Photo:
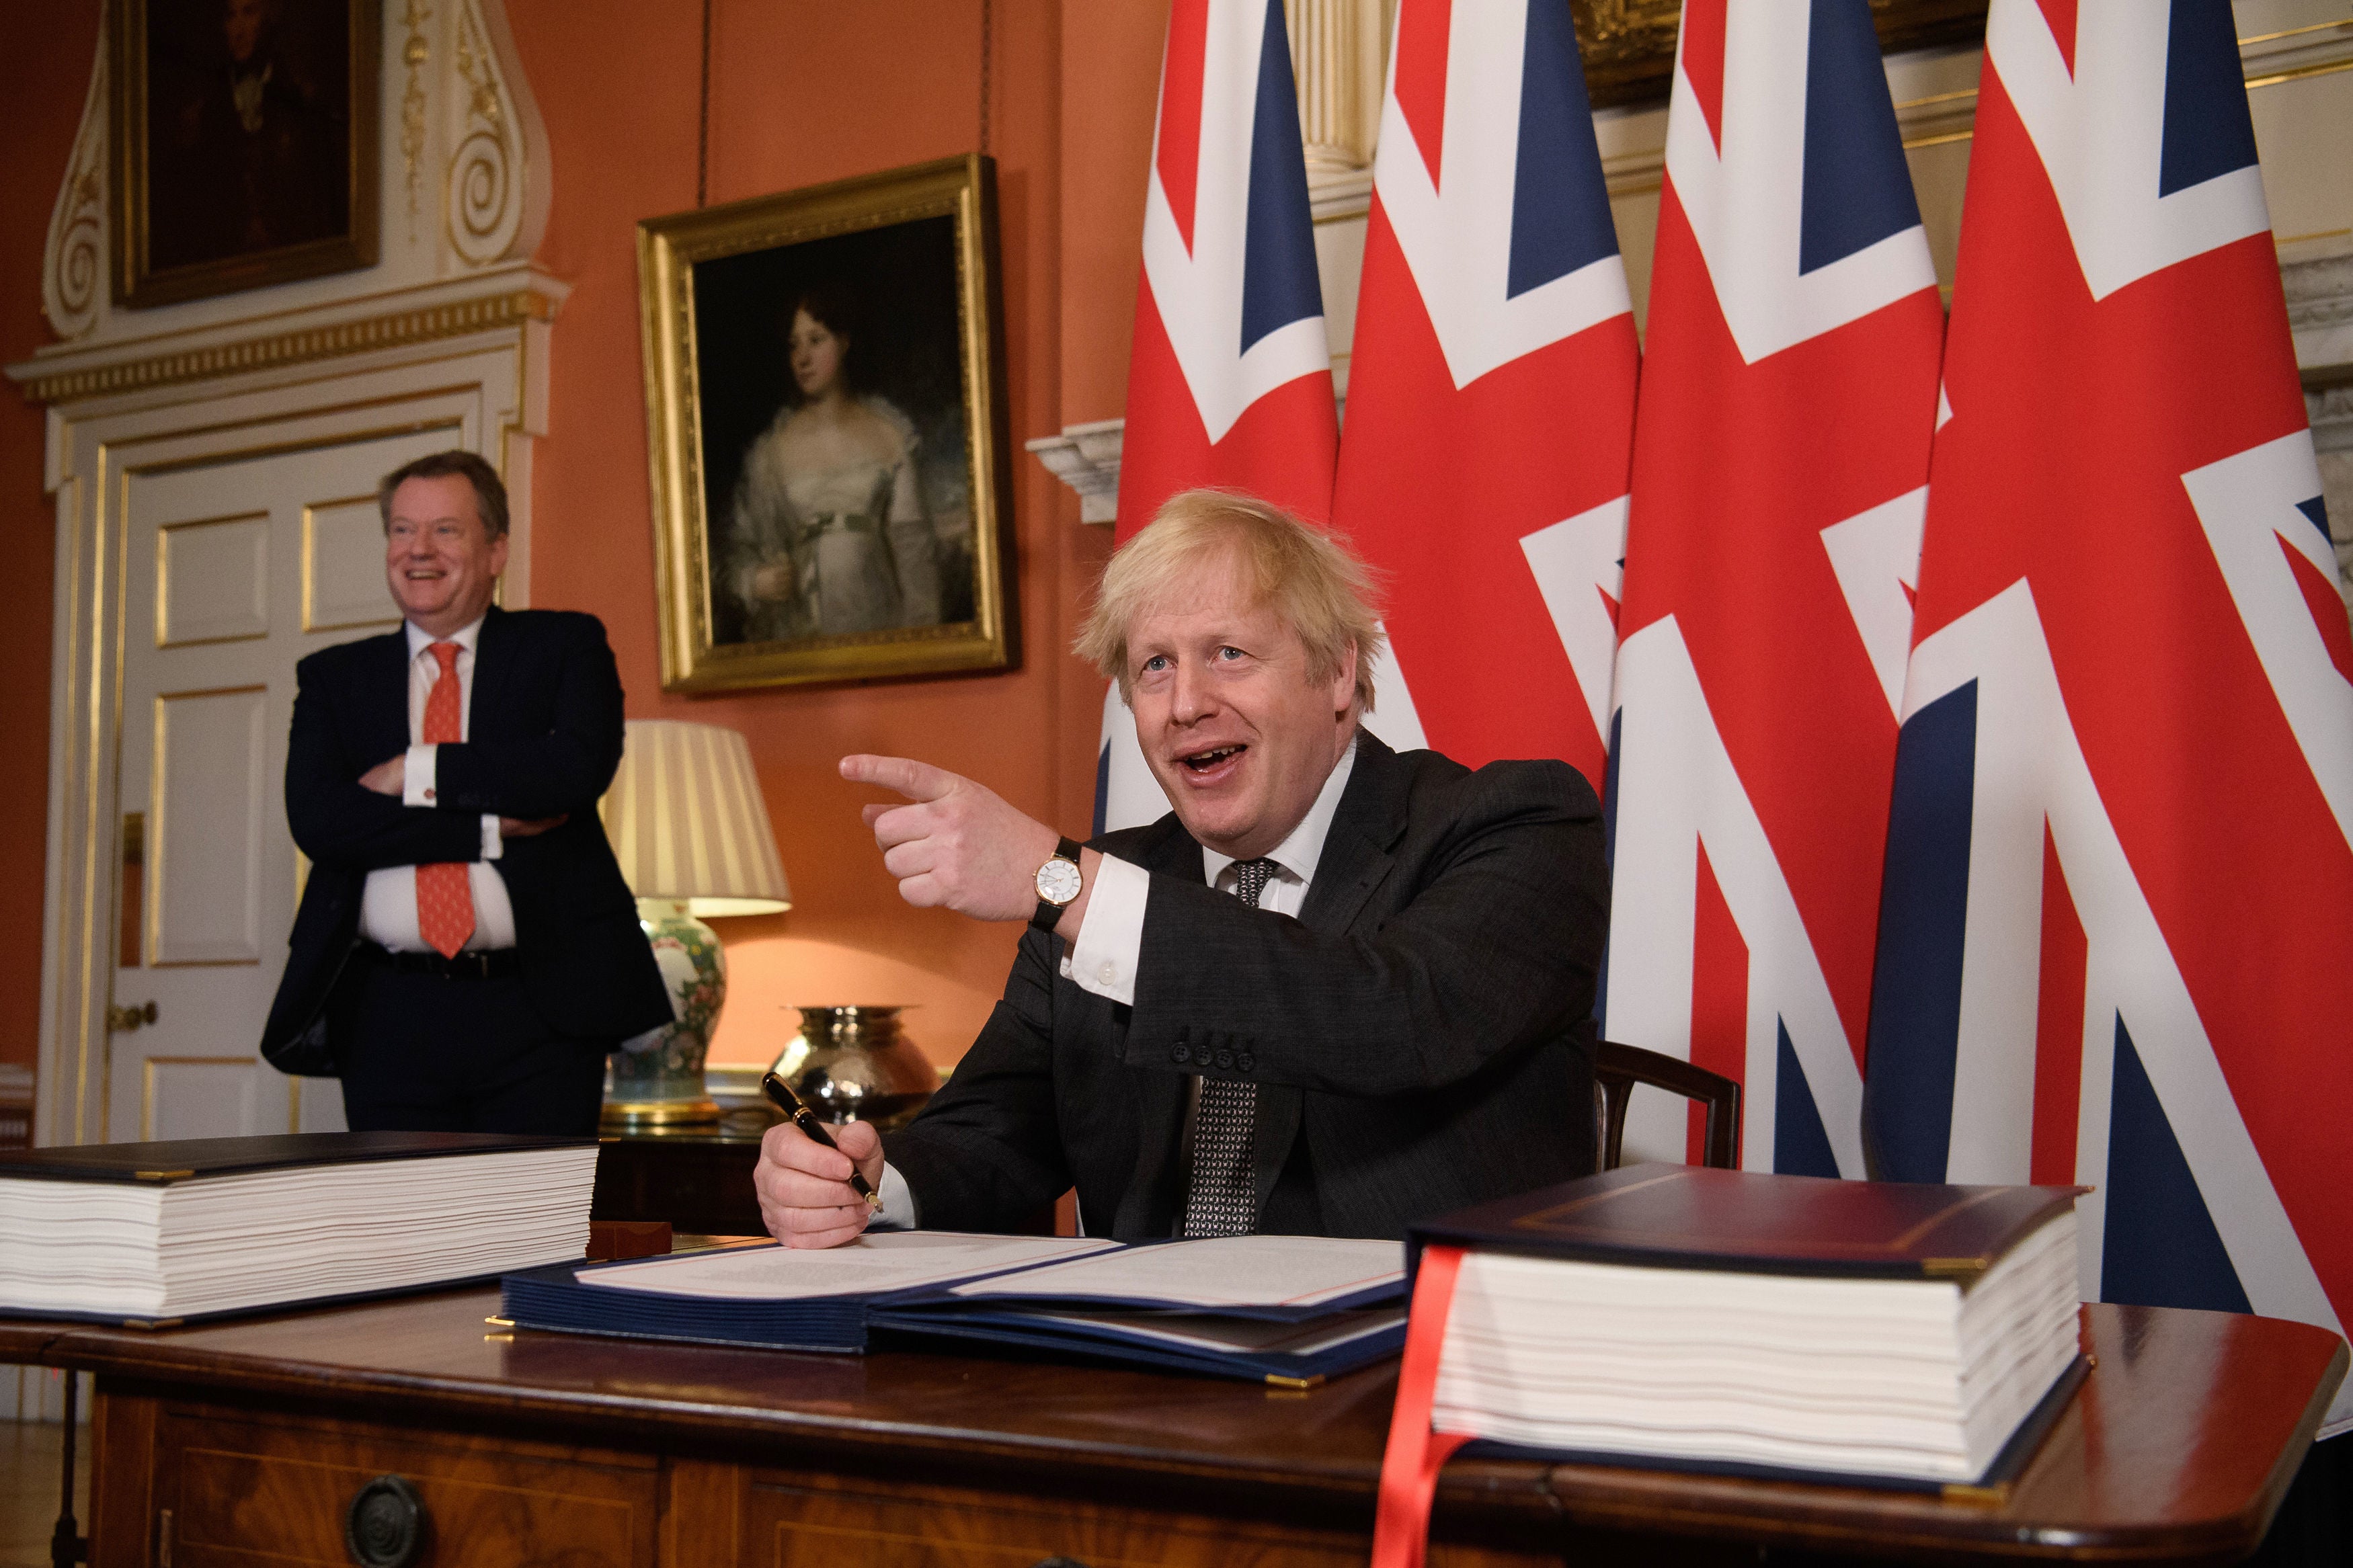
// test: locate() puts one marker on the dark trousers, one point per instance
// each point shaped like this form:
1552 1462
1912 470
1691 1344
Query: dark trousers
421 1053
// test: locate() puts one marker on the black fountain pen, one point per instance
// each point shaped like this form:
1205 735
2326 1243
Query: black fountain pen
786 1101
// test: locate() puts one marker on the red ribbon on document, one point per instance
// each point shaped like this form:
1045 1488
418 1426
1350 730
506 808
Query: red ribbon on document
1410 1467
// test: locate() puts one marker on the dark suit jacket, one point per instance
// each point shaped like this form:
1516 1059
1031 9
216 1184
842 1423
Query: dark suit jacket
545 733
1421 1036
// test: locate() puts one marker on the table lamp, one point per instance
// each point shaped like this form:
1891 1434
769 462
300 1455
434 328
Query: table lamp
688 826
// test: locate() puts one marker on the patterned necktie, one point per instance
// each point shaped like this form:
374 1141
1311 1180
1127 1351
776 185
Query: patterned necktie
445 902
1222 1199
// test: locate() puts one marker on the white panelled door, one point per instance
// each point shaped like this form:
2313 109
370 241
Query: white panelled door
236 571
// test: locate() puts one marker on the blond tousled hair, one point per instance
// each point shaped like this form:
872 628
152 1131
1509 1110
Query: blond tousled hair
1317 585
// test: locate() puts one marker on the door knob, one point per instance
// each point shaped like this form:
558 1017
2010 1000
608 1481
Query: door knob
122 1020
386 1525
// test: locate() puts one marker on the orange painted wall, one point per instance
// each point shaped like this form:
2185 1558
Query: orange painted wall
45 57
799 94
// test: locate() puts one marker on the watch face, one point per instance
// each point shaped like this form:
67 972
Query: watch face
1058 881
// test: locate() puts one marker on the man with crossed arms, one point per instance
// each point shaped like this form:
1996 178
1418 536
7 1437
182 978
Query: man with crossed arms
1339 989
465 951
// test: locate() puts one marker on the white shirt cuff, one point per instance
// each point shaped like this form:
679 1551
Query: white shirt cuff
416 788
1112 936
898 1203
493 845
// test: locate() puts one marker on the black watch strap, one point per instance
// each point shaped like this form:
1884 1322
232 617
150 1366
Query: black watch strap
1050 915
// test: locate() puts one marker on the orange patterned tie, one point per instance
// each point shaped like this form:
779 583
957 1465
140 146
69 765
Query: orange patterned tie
445 903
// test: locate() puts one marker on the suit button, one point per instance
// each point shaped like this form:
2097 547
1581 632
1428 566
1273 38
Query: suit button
1224 1059
1245 1061
1180 1054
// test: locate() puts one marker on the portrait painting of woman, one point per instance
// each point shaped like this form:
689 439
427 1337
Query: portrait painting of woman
828 531
825 381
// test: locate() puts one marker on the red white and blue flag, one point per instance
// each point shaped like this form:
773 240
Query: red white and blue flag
1229 383
1780 466
2118 911
1490 393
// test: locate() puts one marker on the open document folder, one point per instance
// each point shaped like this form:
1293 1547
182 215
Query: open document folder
1286 1308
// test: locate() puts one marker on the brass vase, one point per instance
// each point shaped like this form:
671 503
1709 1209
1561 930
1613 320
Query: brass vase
851 1064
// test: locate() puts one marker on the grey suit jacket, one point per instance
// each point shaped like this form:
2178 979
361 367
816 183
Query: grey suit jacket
1421 1035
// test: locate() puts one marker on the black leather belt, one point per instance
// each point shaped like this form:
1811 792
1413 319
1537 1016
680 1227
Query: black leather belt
492 964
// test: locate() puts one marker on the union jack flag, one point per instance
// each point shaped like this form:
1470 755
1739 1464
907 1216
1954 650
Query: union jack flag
1780 466
2119 890
1230 382
1491 395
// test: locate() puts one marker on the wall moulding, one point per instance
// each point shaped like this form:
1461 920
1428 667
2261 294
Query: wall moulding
60 380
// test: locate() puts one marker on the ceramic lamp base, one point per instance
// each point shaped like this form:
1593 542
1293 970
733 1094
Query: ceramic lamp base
654 1080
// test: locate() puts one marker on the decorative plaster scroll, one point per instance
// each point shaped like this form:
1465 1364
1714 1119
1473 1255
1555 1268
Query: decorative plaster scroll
73 264
416 52
494 203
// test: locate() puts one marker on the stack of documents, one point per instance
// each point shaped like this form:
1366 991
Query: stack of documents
1746 1320
1288 1308
147 1233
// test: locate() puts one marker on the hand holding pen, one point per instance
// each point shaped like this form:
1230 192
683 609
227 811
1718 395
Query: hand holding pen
796 1180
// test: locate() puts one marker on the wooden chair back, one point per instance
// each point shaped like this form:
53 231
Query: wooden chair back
1618 1069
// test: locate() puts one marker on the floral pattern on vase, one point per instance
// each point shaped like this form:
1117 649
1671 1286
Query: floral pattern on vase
665 1064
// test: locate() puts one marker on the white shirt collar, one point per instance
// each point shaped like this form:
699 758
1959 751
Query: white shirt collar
419 640
1299 853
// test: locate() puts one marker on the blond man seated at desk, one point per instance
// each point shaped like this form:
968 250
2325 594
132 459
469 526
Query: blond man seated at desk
1337 989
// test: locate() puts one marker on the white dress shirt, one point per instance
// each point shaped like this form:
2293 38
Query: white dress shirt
388 903
1111 939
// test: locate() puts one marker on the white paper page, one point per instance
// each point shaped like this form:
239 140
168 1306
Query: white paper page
1238 1336
895 1261
1228 1271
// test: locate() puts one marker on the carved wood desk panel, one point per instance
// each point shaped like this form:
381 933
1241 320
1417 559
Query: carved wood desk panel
527 1447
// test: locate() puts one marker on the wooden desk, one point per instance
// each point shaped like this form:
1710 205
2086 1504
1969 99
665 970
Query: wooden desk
550 1448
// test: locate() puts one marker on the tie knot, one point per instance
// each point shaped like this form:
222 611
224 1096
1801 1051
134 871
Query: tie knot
1251 879
446 654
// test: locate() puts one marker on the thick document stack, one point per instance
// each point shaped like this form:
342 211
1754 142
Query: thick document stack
1723 1320
1282 1308
149 1234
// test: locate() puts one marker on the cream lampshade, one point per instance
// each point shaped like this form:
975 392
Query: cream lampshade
691 833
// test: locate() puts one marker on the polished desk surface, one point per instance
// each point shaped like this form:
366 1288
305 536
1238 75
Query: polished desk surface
2177 1448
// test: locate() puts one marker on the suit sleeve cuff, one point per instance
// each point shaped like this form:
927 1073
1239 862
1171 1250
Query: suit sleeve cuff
898 1203
416 788
1111 939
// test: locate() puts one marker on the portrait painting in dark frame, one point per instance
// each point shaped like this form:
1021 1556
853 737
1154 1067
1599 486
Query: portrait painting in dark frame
245 144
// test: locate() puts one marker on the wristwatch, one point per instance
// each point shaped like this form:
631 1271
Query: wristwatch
1057 884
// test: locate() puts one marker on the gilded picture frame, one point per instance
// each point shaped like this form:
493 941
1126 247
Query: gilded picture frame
826 432
1629 45
245 142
